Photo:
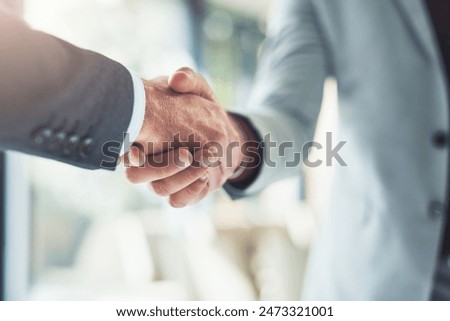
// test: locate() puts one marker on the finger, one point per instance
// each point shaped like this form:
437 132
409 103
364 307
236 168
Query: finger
134 157
160 166
179 181
203 193
130 158
188 195
216 179
185 80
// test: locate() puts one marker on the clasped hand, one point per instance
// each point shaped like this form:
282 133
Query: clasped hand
188 145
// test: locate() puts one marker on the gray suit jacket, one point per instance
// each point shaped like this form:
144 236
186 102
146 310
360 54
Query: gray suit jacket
59 101
381 235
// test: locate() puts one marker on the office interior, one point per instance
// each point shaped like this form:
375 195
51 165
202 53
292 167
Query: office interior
71 234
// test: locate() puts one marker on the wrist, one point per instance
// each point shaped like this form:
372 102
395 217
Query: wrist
240 138
137 113
250 151
146 130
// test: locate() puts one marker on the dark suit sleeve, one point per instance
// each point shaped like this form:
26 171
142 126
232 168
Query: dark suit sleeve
58 101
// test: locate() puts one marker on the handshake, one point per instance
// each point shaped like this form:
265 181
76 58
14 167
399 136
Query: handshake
188 145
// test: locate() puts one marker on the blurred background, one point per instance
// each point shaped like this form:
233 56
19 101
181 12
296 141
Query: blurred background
73 234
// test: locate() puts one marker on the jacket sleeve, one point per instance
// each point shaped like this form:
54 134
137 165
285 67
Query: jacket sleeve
285 101
58 101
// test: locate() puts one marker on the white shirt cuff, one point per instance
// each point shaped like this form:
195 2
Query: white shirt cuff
137 116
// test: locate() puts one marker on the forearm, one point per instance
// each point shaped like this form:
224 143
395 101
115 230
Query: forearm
283 139
59 101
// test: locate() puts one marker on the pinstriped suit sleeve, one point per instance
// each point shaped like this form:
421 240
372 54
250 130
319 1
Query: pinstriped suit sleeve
287 93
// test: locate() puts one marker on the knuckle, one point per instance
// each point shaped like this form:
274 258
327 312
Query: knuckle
216 135
161 171
193 189
160 189
190 175
157 170
186 69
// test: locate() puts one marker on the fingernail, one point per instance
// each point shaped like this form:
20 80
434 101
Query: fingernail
186 159
134 157
204 177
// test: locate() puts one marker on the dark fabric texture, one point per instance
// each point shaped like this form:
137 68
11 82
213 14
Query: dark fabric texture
440 16
441 284
58 101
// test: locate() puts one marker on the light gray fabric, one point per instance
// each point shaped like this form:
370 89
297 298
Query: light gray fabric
377 240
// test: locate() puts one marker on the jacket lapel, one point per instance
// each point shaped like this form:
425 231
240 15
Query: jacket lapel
415 14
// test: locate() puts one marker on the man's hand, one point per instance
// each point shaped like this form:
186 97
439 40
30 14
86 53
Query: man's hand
192 145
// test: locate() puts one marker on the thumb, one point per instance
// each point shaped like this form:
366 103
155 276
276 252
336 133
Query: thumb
187 81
